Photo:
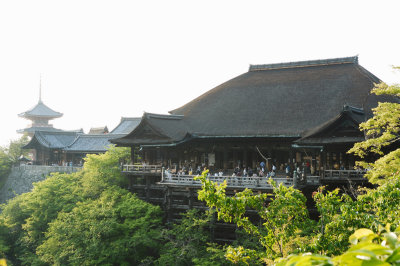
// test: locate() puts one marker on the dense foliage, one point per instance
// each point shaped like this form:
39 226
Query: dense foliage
368 248
285 216
115 229
188 242
80 218
87 218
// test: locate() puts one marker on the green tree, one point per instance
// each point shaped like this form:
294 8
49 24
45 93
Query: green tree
284 214
103 170
4 241
188 242
27 216
15 150
341 215
115 229
367 248
383 134
185 240
5 167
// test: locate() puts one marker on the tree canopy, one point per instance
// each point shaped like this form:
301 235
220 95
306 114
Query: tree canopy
115 229
84 218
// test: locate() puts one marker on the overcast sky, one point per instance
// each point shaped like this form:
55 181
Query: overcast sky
101 60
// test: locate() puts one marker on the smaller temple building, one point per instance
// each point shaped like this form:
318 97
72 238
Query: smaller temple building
70 147
52 146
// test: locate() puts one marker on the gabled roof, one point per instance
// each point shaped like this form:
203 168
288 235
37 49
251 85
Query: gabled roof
156 128
274 100
91 143
126 125
342 128
51 139
40 110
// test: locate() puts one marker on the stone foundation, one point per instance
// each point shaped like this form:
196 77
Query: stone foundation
22 177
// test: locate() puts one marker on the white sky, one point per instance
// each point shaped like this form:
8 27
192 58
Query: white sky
101 60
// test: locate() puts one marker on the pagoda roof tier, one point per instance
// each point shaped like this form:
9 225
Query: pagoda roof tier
47 129
40 110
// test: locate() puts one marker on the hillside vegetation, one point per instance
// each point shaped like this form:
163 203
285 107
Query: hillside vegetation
88 218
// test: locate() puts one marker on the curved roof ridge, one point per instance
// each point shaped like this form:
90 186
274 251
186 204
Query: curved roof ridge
96 135
42 140
308 63
128 118
163 116
126 125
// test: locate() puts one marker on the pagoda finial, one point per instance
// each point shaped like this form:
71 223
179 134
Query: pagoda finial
40 88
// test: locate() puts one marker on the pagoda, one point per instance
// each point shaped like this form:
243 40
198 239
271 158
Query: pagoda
40 115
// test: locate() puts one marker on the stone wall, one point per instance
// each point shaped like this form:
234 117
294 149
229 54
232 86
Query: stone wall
22 177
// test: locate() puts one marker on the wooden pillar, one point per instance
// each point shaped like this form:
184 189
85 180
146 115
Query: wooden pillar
255 161
245 162
324 164
313 163
190 197
133 154
235 158
130 185
225 158
148 184
290 160
269 162
168 203
212 226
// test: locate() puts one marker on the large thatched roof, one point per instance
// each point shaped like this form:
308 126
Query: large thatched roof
276 100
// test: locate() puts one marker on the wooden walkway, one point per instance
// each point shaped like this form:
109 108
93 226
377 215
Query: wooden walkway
168 178
232 181
138 168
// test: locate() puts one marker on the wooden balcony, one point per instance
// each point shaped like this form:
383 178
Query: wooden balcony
244 182
355 175
139 169
232 181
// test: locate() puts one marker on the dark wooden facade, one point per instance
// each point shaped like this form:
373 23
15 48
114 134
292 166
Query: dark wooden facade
302 114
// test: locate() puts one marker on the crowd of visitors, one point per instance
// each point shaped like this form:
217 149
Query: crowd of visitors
300 170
